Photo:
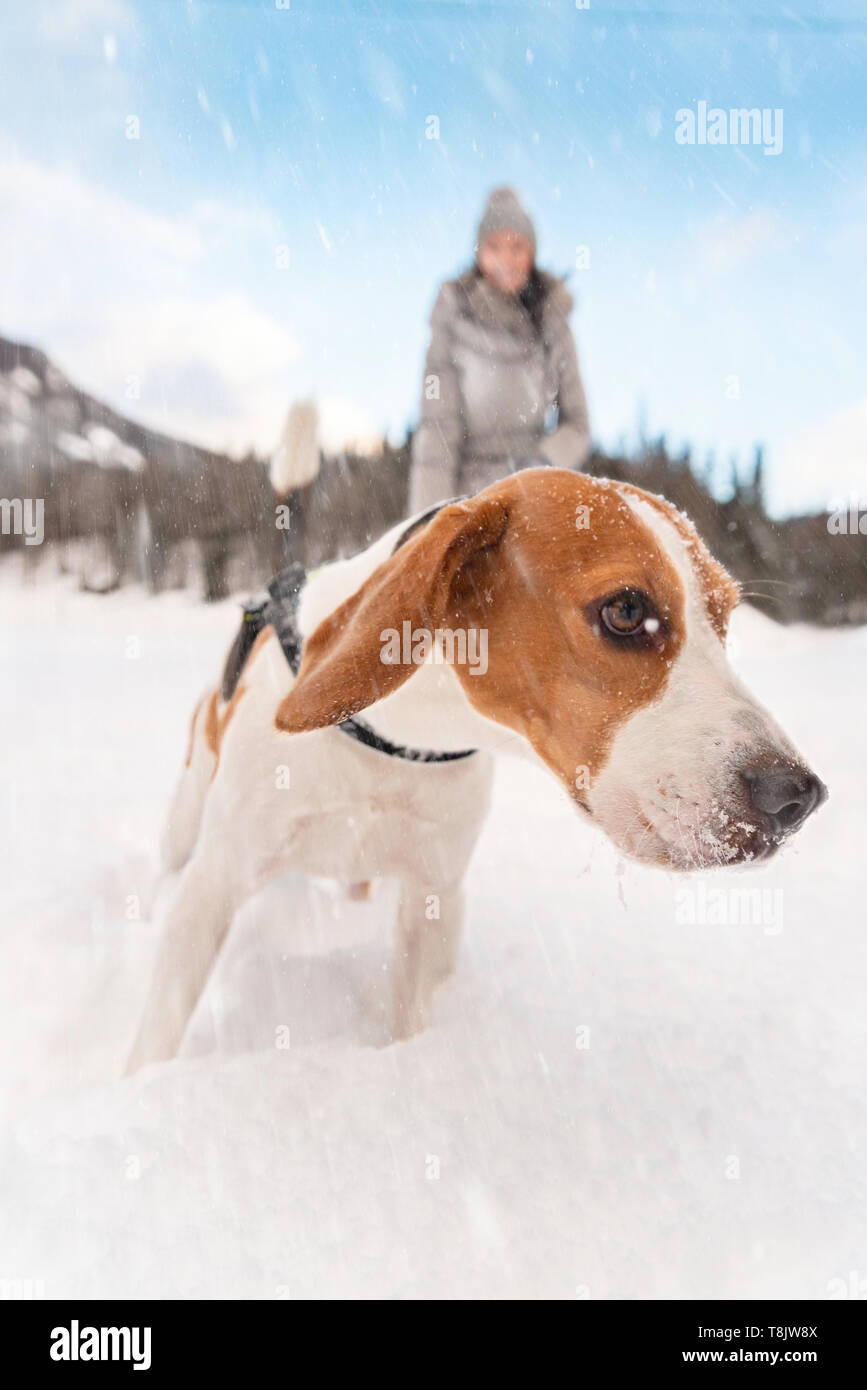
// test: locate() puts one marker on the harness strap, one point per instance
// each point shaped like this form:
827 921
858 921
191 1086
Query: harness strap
278 606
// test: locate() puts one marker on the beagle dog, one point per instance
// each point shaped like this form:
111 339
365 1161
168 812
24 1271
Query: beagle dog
604 618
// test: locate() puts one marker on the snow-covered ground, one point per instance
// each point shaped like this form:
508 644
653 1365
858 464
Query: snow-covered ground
612 1102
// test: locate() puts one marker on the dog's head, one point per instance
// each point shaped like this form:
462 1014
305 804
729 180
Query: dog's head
605 618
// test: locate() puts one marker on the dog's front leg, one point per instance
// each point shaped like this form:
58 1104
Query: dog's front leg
195 927
426 946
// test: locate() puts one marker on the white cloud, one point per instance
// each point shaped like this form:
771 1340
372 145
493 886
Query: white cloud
144 310
215 220
834 448
51 212
215 370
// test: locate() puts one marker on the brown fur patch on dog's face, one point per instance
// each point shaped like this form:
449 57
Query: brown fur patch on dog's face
719 591
555 674
532 560
642 721
341 669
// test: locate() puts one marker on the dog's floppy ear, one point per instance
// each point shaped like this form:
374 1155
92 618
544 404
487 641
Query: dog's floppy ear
342 671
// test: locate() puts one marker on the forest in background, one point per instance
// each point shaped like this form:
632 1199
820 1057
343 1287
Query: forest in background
127 504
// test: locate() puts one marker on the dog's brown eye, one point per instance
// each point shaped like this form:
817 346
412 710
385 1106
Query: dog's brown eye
624 615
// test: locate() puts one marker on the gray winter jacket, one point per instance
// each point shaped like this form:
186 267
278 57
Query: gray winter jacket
489 382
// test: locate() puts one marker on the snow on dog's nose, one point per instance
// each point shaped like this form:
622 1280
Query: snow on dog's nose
688 786
783 796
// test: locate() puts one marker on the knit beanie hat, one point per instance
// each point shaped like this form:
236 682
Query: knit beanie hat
504 213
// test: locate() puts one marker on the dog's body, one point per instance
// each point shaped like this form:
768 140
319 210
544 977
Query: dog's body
646 728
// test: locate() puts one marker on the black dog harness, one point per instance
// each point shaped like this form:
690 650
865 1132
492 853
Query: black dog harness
277 607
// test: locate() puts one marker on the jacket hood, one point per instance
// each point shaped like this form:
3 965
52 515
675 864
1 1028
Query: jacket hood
478 299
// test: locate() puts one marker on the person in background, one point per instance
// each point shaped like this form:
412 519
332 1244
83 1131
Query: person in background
501 357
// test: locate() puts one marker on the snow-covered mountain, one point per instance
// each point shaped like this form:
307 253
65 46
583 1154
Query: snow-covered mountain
127 501
132 492
45 420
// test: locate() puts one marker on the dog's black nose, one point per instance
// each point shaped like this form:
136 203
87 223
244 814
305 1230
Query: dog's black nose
784 795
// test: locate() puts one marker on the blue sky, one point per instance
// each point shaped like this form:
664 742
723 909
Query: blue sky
725 299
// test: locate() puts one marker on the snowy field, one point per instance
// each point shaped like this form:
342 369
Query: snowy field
612 1101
